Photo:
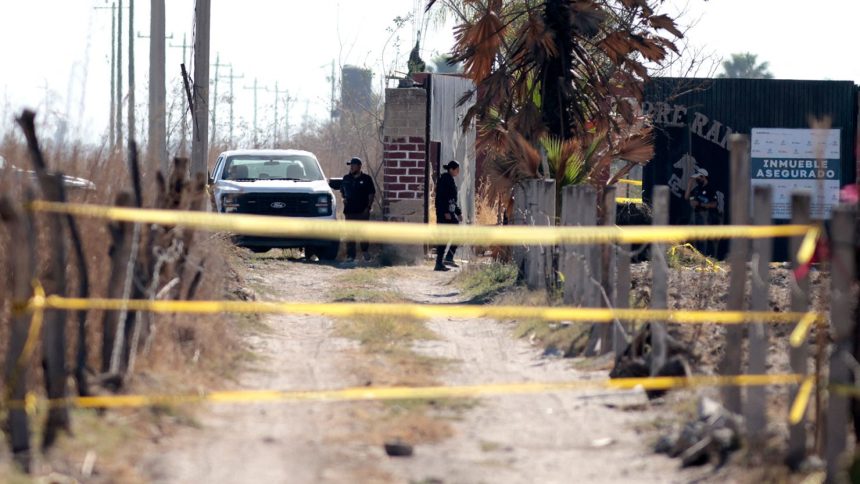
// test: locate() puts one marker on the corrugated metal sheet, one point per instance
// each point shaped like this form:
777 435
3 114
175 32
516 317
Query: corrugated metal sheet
446 118
738 104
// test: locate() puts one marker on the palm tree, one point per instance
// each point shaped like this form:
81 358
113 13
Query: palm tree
557 69
745 66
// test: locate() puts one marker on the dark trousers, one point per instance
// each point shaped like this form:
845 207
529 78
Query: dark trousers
706 217
350 245
440 249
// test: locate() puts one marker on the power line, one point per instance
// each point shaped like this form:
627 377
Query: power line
217 65
255 88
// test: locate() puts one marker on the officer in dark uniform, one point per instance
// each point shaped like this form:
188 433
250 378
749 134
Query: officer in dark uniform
447 212
703 201
358 192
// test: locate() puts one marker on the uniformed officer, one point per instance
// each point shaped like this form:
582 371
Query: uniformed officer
703 201
447 212
358 192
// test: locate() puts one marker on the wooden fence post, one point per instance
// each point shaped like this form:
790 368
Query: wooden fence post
570 258
54 330
540 200
755 405
800 202
738 257
608 272
519 218
842 322
548 209
659 280
21 266
120 251
588 278
622 299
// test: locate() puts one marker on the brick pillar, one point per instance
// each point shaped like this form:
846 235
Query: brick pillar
404 157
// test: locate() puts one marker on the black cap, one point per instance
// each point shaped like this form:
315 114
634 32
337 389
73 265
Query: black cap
354 161
451 165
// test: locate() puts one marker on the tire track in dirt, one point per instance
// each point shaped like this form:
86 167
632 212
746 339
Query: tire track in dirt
554 437
283 442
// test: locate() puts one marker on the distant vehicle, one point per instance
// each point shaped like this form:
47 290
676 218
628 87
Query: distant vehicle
282 183
70 182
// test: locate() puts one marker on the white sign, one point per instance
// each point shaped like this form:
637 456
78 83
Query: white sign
789 160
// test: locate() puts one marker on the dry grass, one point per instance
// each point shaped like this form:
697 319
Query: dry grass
186 352
482 281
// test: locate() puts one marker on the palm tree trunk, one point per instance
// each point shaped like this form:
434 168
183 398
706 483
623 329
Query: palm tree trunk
557 74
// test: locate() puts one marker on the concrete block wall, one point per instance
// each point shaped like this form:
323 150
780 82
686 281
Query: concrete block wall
404 154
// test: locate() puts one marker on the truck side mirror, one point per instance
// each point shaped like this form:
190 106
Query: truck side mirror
335 183
211 180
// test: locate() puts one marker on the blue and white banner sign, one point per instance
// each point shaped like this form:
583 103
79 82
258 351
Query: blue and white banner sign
790 160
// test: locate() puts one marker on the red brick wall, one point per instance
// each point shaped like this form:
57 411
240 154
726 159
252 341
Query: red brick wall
403 155
404 170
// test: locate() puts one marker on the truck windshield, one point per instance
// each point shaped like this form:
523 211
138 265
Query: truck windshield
260 167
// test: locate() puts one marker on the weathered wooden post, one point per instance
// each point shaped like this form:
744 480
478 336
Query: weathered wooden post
659 280
120 251
22 266
622 297
738 257
800 203
519 218
571 255
842 322
54 330
540 200
608 272
588 274
755 407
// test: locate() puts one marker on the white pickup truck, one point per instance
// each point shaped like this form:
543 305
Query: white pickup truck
284 183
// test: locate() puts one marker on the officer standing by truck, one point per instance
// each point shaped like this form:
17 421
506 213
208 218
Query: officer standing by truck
358 192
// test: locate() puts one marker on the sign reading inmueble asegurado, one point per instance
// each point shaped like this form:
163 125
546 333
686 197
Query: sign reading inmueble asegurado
790 160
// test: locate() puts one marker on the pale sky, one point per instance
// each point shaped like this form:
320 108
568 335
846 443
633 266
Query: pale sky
59 50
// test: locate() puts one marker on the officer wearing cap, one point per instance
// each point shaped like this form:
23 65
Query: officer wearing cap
703 201
358 192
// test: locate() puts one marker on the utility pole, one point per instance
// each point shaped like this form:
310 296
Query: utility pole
276 138
232 99
183 143
199 146
255 88
118 113
112 127
131 125
333 112
215 97
157 142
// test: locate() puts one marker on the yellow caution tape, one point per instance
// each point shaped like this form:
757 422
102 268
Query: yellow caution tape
415 233
807 246
35 324
801 401
630 182
403 393
422 311
852 391
711 265
798 336
628 200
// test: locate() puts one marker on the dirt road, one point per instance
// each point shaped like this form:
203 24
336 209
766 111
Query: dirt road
556 437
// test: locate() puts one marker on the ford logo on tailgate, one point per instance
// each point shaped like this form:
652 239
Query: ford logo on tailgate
278 205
